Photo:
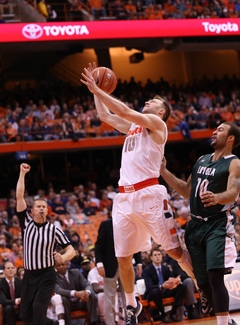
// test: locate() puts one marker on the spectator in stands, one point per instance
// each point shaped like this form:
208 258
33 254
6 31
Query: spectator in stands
81 200
20 272
96 281
226 114
68 127
131 10
161 283
57 206
118 10
19 261
6 220
13 256
24 130
105 202
202 118
68 220
74 239
90 207
37 130
140 10
97 6
4 251
3 133
73 209
10 294
145 258
42 7
236 115
190 118
79 124
85 266
11 132
75 10
214 118
75 291
93 197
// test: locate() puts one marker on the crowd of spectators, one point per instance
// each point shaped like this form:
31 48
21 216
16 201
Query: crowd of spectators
145 9
58 111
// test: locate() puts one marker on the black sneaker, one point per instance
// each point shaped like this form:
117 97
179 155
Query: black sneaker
132 314
233 322
206 308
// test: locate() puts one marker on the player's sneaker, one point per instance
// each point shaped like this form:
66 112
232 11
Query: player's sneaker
132 314
233 322
206 308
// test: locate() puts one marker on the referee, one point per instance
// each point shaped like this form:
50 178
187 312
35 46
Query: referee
39 240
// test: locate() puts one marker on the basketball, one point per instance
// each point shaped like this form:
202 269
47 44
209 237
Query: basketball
105 79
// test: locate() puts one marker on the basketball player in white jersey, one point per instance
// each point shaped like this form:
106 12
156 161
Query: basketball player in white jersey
140 209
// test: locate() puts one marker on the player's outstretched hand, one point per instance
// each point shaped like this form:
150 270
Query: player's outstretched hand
89 80
24 168
92 66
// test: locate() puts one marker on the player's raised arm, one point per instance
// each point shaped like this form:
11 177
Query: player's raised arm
150 121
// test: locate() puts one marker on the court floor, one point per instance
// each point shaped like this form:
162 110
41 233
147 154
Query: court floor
207 320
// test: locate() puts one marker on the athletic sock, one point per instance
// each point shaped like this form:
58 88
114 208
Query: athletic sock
229 319
222 320
130 299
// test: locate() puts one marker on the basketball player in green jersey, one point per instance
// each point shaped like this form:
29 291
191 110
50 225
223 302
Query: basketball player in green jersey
213 188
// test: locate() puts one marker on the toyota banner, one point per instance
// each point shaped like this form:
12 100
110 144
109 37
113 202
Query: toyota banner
90 30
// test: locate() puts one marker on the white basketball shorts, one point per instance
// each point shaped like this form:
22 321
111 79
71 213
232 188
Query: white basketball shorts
140 215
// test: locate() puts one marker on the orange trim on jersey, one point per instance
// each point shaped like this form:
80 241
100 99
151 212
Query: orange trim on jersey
173 231
138 186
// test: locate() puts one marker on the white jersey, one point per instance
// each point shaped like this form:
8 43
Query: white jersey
141 156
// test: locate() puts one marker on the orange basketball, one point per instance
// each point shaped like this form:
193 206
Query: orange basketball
105 79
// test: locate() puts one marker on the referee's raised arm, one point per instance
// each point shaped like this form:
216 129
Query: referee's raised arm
21 203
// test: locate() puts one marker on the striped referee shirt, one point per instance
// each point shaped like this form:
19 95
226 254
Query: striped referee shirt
39 242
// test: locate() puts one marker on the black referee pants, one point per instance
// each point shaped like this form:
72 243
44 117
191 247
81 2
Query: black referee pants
37 289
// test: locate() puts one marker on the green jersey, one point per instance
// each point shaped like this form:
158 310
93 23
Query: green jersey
211 176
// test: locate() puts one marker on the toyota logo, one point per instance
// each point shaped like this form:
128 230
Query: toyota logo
32 31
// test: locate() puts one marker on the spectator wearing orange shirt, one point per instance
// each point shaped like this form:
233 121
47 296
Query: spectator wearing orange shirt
97 6
15 227
131 9
11 132
19 262
169 6
4 251
149 11
105 202
3 133
236 115
226 114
